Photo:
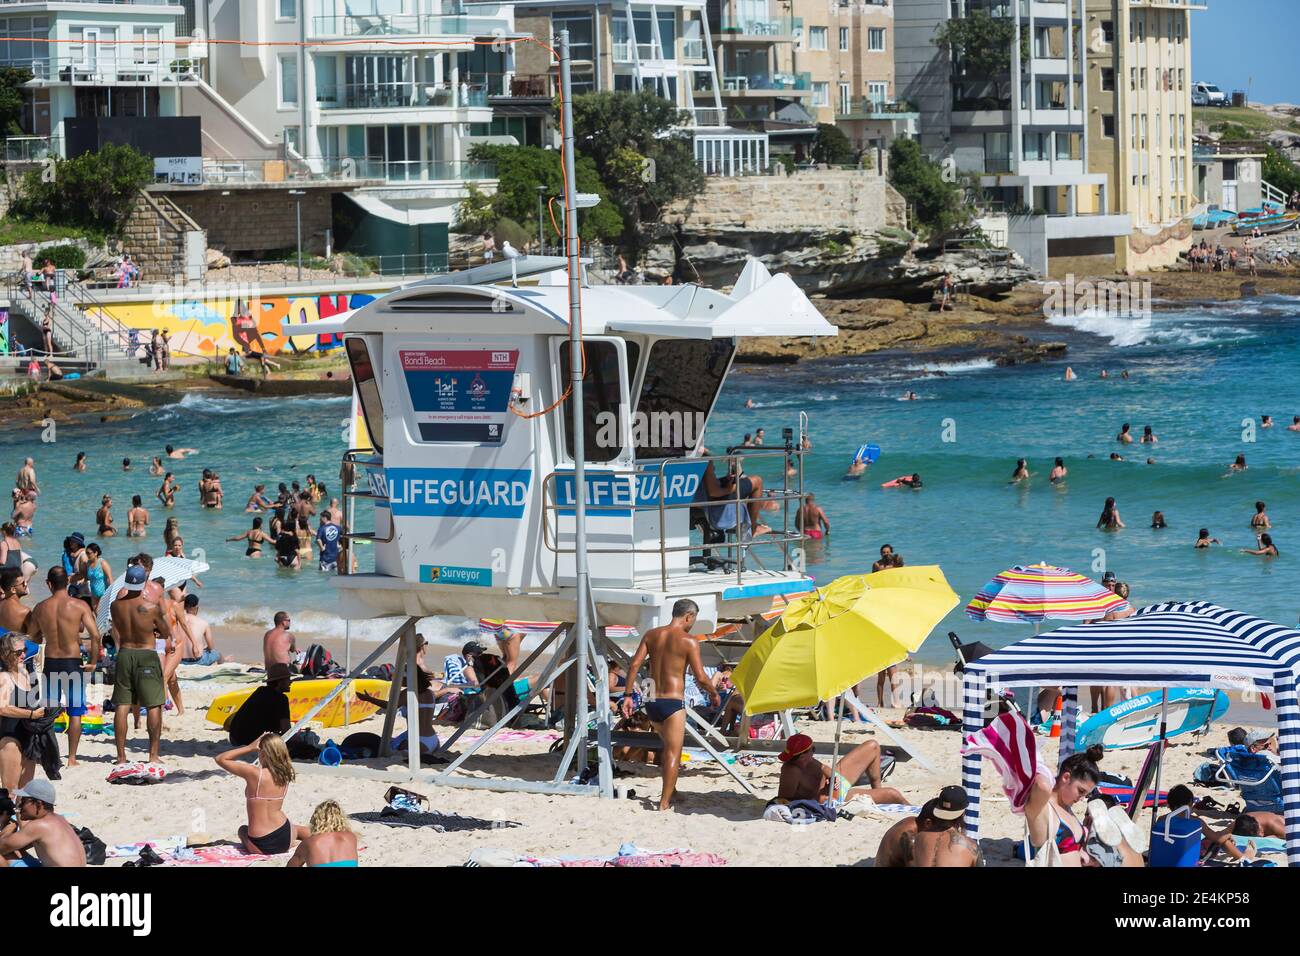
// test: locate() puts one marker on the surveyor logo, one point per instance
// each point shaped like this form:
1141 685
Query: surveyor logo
77 910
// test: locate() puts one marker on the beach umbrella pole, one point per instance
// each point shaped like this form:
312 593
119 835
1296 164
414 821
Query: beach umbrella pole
1160 755
835 750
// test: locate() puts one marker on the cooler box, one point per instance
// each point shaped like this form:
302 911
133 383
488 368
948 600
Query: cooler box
1176 840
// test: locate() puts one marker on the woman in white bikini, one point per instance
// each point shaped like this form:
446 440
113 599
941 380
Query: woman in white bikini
266 783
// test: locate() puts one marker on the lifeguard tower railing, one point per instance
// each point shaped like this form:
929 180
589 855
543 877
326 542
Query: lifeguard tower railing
786 539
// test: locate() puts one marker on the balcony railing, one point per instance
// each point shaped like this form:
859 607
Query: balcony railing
108 68
236 172
32 149
754 27
764 81
874 106
423 170
709 116
384 25
377 96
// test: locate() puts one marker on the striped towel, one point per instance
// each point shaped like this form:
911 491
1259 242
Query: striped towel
1010 743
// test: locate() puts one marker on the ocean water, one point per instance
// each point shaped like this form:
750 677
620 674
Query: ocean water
1195 375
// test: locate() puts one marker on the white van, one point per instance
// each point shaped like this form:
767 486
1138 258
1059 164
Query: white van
1207 94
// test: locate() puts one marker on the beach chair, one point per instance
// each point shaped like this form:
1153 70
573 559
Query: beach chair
1255 775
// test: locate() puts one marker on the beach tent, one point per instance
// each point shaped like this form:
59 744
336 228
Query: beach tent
1164 645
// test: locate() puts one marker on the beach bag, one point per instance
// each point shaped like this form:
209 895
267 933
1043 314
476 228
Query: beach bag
360 746
317 662
137 773
810 810
304 746
96 849
380 672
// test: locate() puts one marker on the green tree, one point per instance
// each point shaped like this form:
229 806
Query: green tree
641 152
981 46
938 204
94 191
1280 171
832 146
12 79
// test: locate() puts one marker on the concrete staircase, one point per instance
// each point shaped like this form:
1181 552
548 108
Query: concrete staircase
86 338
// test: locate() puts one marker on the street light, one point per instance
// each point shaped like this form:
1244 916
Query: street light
297 195
541 243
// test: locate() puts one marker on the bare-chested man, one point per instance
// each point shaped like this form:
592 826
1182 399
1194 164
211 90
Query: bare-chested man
180 453
811 520
59 622
26 480
804 777
39 828
671 650
278 643
932 839
24 514
139 678
14 614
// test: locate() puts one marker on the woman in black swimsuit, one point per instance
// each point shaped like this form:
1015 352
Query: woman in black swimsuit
266 783
254 536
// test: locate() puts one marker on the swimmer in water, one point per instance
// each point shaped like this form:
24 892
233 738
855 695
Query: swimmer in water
749 403
180 452
1069 374
1158 520
1021 473
1148 436
1203 539
886 559
1116 456
1259 519
1059 471
811 520
856 468
1265 421
1104 374
1238 465
1125 434
1266 549
1109 520
904 481
1295 424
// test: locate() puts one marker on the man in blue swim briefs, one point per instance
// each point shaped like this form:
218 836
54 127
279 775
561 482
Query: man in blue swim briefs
671 649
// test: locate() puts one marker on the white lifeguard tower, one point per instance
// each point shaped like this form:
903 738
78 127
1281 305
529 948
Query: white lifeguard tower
464 441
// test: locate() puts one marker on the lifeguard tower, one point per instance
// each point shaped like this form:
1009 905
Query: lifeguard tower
465 445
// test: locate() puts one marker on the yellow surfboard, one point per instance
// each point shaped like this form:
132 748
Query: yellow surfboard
305 694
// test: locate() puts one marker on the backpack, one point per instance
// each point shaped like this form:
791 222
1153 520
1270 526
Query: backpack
317 661
96 849
380 672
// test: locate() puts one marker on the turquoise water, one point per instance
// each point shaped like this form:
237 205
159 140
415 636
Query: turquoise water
1195 375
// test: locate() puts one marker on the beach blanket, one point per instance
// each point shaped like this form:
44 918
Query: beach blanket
1262 843
161 846
225 673
1008 741
225 854
137 773
866 807
628 855
440 822
514 736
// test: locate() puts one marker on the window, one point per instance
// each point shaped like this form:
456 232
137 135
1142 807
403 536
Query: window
602 397
1107 78
289 79
1068 145
1133 131
287 10
291 139
1036 146
682 380
146 46
1108 31
844 39
1173 171
1181 80
1108 125
846 97
817 38
1132 79
1142 78
372 404
1142 140
1139 27
821 94
876 39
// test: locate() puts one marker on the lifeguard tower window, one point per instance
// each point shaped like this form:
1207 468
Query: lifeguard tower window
372 406
602 395
682 381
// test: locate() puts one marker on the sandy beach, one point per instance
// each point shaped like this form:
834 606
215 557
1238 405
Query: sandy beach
198 803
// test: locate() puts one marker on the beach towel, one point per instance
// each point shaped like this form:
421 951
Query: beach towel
862 806
137 773
1262 843
440 822
515 736
161 846
1008 741
225 854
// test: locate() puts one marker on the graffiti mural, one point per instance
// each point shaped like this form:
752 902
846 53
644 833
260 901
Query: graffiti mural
212 325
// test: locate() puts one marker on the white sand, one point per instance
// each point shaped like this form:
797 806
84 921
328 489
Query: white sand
714 815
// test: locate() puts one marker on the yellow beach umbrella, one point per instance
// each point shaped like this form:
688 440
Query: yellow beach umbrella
833 637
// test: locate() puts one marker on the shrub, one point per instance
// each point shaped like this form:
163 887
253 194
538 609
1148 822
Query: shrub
94 190
63 256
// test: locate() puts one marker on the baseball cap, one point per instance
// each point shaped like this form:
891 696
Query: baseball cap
950 804
78 537
135 578
796 745
1259 736
473 647
37 789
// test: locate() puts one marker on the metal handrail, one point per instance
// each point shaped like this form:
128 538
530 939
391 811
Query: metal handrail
785 495
110 328
62 327
350 457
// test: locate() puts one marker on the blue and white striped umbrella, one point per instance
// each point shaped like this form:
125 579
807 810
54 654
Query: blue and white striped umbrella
1164 645
172 570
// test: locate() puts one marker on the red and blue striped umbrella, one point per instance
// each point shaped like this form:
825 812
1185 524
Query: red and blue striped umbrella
1031 594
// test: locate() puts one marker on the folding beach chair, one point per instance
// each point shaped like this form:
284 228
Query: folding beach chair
1254 774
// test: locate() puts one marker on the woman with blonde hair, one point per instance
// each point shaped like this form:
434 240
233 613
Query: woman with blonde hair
266 783
331 842
19 700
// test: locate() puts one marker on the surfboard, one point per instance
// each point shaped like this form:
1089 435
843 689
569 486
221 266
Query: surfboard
305 694
1136 722
868 453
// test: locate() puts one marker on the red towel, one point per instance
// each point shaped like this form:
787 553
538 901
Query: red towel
1010 743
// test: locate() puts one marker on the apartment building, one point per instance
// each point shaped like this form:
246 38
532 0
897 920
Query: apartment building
1140 123
94 60
1020 132
847 49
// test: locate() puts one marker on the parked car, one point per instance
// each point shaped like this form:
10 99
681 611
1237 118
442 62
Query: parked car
1207 94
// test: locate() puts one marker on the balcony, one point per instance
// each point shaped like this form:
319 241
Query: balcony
32 149
110 70
236 172
766 83
424 170
781 28
873 108
405 95
413 25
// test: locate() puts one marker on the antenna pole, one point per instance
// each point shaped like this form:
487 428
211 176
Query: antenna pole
581 624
